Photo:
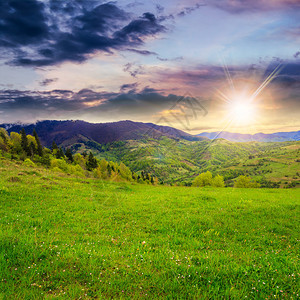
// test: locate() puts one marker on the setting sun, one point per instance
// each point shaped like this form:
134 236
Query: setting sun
242 112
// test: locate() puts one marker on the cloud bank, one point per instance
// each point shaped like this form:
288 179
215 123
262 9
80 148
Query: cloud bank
39 33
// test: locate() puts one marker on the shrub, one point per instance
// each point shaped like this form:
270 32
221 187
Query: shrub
218 181
60 164
245 182
28 162
204 179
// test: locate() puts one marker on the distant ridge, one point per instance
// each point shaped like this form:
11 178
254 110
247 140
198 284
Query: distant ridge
259 137
102 133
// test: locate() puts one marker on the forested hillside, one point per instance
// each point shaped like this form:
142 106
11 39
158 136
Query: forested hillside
180 161
28 149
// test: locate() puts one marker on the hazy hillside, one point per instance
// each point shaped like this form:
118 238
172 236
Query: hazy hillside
74 131
181 161
259 137
173 156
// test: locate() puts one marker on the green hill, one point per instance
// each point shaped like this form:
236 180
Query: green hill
73 238
180 161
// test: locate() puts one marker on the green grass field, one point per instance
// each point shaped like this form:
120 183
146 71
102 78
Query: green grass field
72 238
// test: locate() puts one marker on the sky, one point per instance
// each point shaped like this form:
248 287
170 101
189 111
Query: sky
198 66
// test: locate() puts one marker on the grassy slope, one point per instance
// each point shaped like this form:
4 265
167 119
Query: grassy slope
180 161
72 238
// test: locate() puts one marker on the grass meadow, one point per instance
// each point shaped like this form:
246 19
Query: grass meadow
73 238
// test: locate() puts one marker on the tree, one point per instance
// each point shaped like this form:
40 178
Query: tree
31 149
79 160
109 170
24 142
245 182
125 172
4 138
152 180
15 139
61 153
204 179
218 181
54 147
91 162
38 143
69 155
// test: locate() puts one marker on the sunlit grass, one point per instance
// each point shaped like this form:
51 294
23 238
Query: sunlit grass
69 238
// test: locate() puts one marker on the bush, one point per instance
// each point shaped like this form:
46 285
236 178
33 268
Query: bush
245 182
29 163
60 164
218 181
77 170
204 179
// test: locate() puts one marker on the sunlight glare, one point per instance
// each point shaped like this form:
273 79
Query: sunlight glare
242 112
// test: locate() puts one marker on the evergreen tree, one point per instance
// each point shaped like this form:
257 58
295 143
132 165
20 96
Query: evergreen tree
31 149
91 162
54 146
152 180
61 153
69 155
38 142
109 170
133 176
24 142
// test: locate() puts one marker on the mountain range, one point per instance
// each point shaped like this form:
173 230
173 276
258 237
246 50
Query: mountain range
174 156
69 132
258 137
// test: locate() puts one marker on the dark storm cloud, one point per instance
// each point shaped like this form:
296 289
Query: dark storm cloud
289 78
48 33
131 104
26 106
22 23
55 100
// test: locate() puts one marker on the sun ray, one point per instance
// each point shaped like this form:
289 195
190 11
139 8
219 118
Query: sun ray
266 82
223 96
227 74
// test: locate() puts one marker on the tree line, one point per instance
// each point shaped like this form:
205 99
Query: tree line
29 149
